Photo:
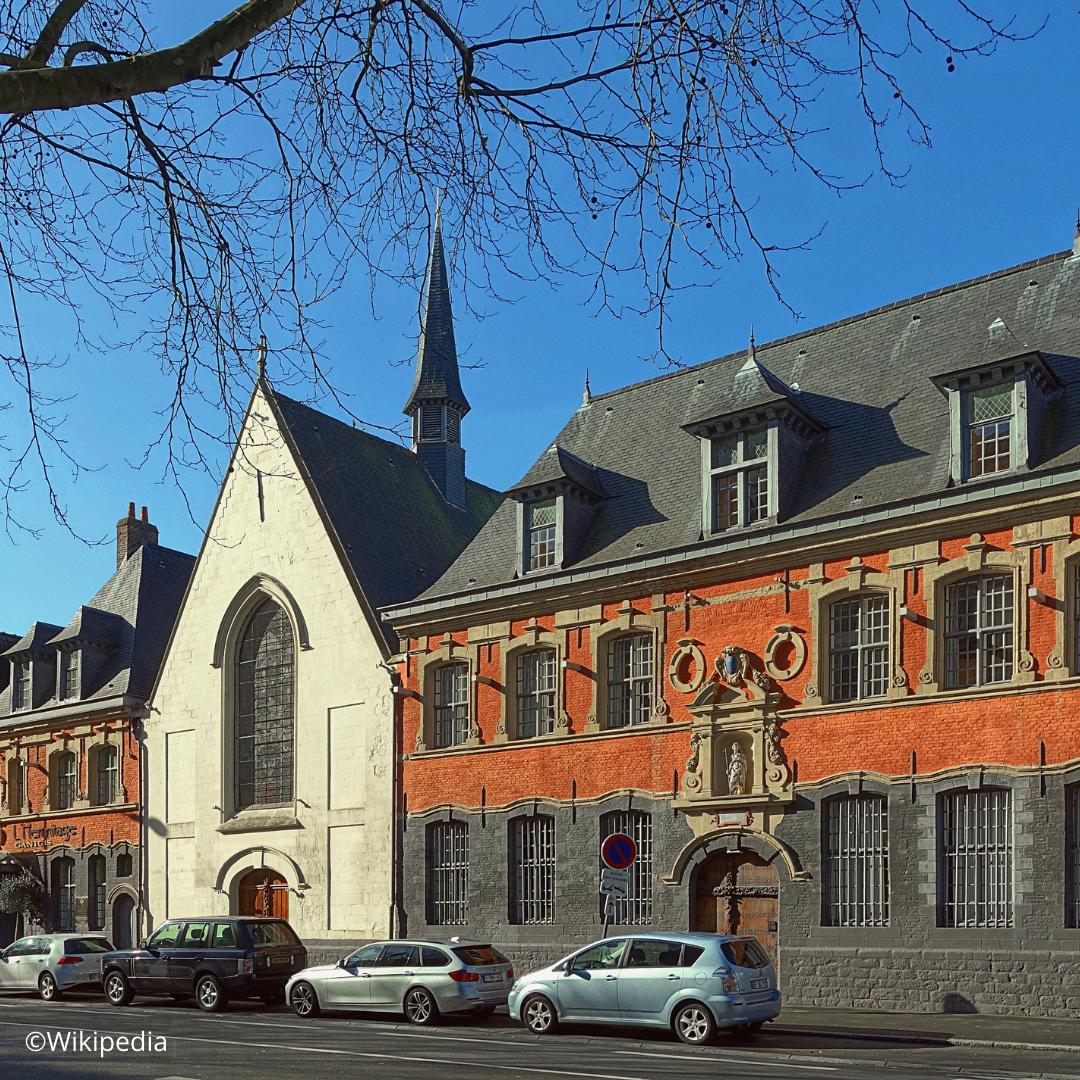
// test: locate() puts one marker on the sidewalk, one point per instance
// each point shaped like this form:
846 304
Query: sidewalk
932 1029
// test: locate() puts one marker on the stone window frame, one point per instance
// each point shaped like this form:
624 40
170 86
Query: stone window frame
427 663
1064 661
628 620
740 429
92 749
233 624
979 560
7 758
533 810
64 656
22 694
859 578
825 806
446 821
533 637
79 799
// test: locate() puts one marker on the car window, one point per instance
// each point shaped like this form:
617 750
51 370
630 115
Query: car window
653 953
39 946
19 948
745 953
398 956
165 937
480 955
365 957
84 945
269 935
434 957
600 957
196 935
224 936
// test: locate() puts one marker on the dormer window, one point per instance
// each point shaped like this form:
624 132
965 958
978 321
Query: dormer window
20 684
739 479
541 534
989 414
69 674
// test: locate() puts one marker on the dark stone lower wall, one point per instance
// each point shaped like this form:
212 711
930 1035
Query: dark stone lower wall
912 964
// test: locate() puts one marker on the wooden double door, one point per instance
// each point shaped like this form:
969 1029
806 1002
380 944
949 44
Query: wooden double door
263 892
738 892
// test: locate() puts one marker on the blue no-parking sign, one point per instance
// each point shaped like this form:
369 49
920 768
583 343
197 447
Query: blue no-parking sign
618 851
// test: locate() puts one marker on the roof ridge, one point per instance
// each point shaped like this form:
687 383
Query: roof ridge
846 320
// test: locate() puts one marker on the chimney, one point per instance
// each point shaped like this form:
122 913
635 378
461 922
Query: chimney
132 533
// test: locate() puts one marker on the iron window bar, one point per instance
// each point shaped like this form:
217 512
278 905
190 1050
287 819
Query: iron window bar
533 870
449 866
976 859
636 908
856 861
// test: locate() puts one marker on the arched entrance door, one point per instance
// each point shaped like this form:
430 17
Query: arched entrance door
263 892
123 919
737 892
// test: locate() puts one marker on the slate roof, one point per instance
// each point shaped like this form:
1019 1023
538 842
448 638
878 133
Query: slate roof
398 531
136 607
35 639
867 380
557 463
437 377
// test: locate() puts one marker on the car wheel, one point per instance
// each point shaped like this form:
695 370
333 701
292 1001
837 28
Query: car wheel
694 1023
539 1015
420 1007
209 995
117 989
47 987
304 1000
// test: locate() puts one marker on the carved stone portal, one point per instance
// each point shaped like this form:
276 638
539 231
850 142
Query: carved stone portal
737 759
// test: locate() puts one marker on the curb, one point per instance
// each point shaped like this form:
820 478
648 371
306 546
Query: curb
924 1040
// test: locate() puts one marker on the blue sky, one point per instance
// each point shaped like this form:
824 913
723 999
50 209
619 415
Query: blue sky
1000 185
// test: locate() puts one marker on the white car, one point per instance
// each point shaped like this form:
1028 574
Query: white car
53 963
418 978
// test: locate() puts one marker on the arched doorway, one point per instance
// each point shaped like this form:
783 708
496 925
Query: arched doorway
737 892
263 892
123 922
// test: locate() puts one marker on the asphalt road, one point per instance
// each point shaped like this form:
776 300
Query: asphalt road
249 1040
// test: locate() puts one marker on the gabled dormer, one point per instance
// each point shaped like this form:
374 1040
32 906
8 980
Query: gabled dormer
555 500
81 649
996 412
753 441
32 667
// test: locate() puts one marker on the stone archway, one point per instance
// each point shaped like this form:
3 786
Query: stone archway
738 892
123 921
263 892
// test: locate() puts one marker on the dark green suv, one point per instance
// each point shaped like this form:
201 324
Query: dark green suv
211 959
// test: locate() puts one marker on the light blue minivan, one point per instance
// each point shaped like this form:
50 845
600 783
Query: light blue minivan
693 983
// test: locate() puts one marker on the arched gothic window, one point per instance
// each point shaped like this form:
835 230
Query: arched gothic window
263 717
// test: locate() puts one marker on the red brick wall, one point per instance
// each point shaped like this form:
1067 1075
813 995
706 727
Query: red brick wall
1006 727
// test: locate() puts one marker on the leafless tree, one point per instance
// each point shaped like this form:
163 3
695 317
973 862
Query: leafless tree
222 186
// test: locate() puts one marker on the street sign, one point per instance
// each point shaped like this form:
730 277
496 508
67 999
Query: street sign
618 851
614 882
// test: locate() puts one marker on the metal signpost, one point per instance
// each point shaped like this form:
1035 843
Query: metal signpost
618 852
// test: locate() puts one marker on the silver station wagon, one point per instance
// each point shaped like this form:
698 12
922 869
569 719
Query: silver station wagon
418 978
692 983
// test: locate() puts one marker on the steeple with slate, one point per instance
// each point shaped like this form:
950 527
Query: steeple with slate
437 403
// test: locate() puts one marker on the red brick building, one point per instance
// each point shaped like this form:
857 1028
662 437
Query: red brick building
71 740
805 621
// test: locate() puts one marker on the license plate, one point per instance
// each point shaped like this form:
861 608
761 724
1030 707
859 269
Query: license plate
493 978
280 959
759 984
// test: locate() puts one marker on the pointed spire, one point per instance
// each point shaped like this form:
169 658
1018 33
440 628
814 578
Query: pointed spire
753 345
260 351
586 394
437 380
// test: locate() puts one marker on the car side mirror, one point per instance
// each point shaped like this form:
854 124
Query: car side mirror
340 963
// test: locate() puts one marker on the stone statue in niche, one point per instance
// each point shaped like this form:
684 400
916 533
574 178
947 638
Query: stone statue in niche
736 770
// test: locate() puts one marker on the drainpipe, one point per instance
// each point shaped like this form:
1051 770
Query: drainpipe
138 730
396 776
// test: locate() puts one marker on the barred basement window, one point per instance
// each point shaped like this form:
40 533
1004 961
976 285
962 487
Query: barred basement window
856 861
979 631
859 647
989 424
975 856
451 705
63 889
532 870
541 539
1072 858
264 717
635 909
535 692
629 680
448 870
95 913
